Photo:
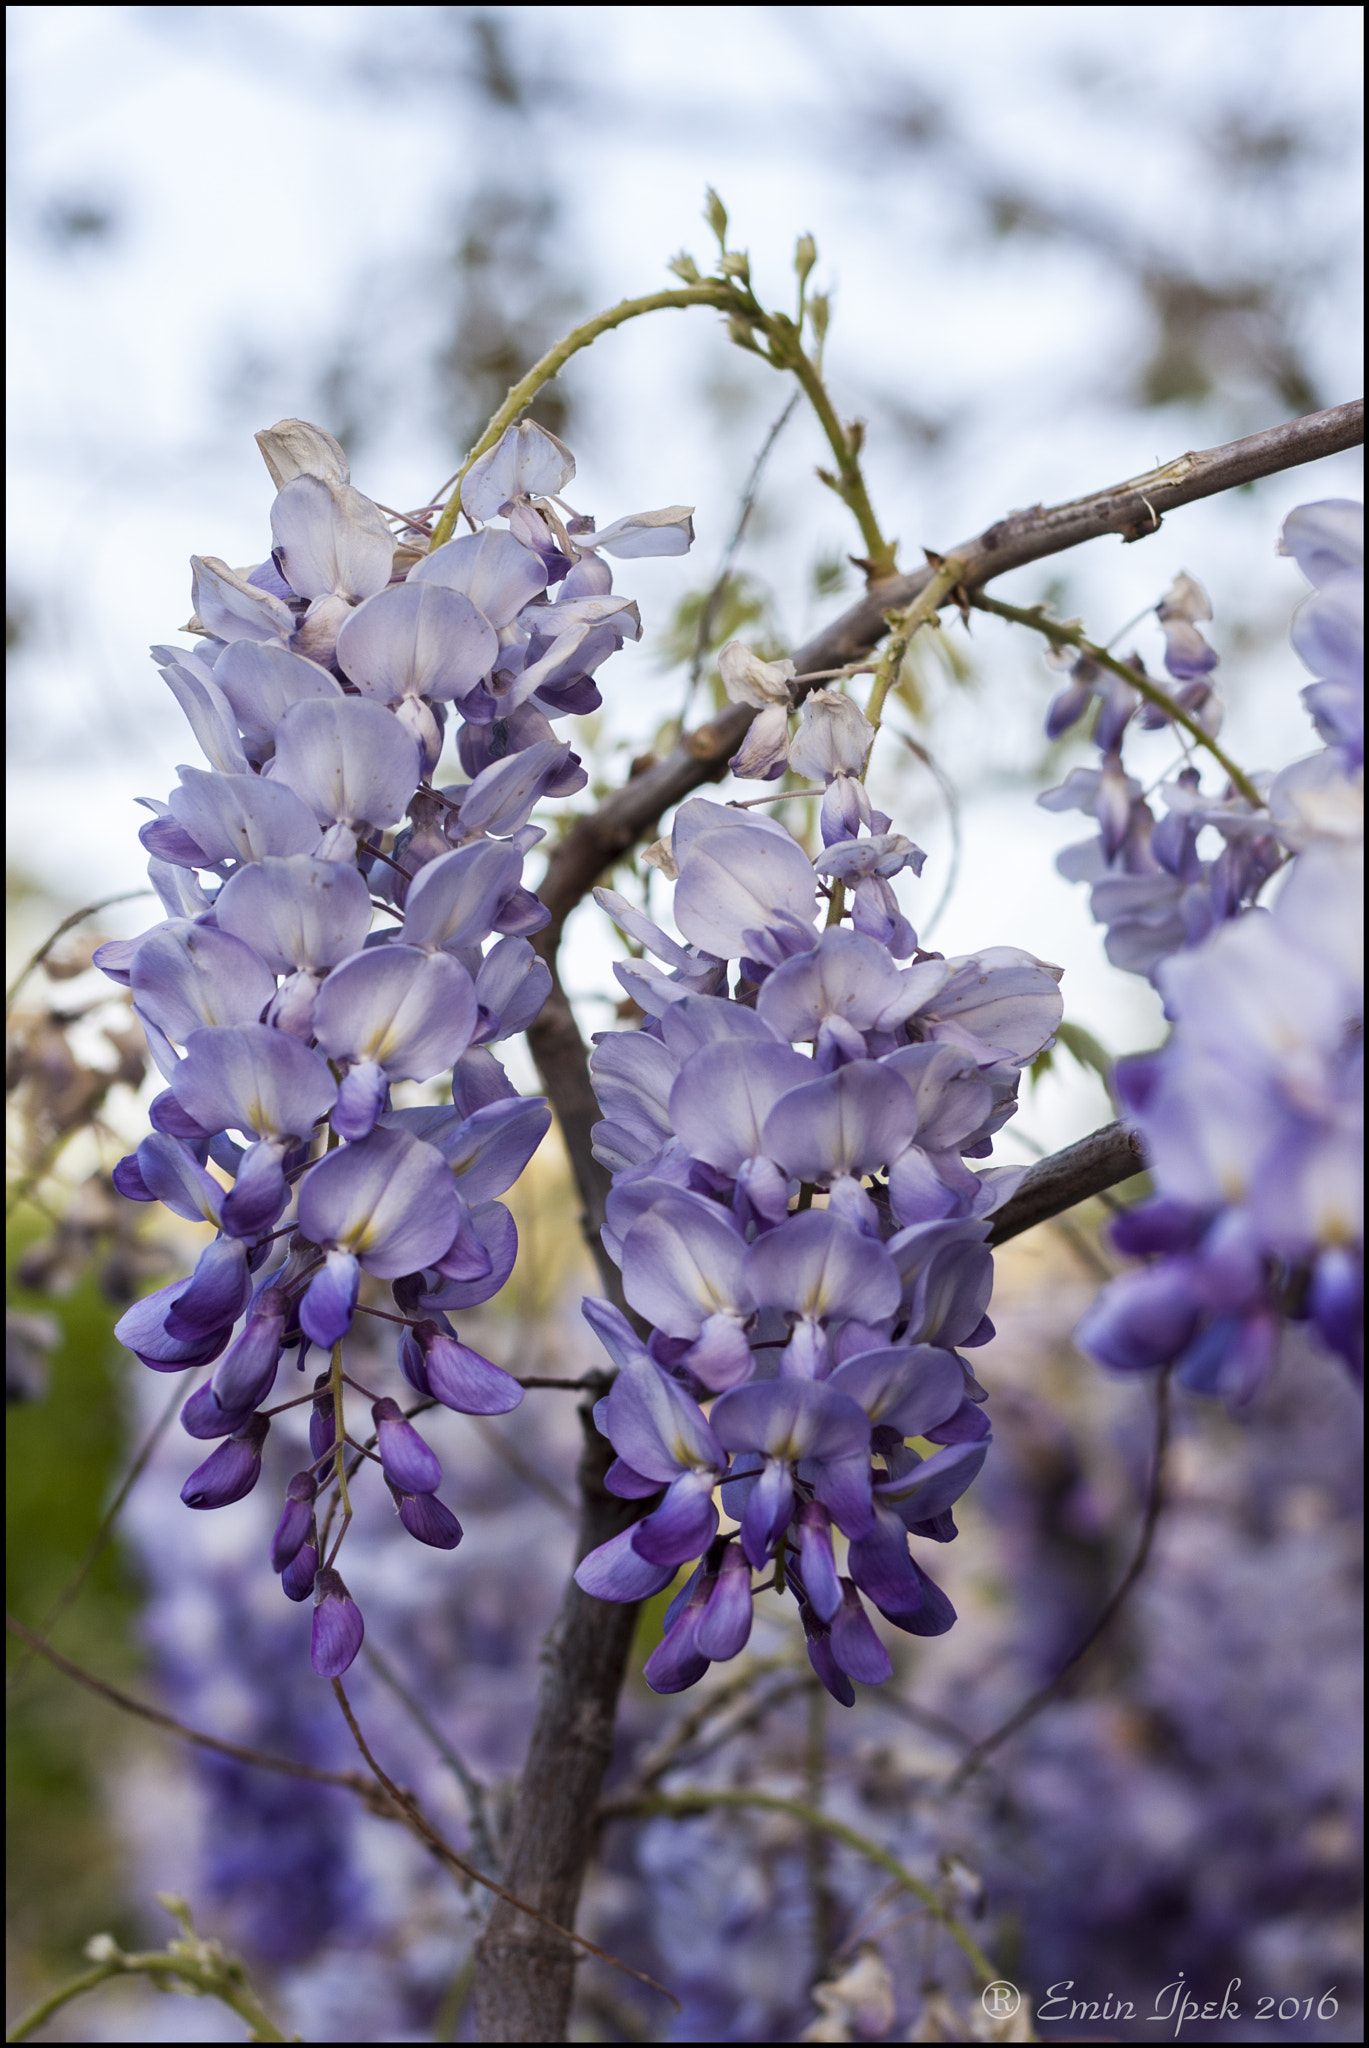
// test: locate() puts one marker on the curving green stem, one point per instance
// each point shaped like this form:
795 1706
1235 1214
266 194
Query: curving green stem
788 352
1062 635
904 624
724 295
682 1804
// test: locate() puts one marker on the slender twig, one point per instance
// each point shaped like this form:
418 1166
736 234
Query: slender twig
684 1805
349 1781
948 791
664 1755
424 1829
709 613
523 1468
102 1534
77 917
1062 634
469 1783
1030 1708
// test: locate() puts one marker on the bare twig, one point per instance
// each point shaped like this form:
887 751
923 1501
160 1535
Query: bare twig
349 1781
1030 1708
67 924
419 1823
470 1785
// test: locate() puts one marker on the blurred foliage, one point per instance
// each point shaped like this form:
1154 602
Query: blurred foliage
64 1453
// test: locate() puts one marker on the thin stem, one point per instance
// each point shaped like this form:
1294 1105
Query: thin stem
337 1377
426 1832
726 296
925 606
77 917
1062 635
713 600
970 1763
469 1783
349 1781
681 1805
213 1976
787 351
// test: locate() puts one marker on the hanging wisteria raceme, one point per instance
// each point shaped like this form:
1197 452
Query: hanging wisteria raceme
320 692
1252 1112
793 1213
1151 888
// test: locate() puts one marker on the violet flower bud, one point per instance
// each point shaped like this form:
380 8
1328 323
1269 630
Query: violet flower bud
297 1518
338 1627
202 1416
461 1379
322 1421
409 1464
427 1520
230 1472
246 1373
297 1580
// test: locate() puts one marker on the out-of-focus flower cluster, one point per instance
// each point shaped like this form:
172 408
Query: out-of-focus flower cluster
1252 1112
281 1022
794 1217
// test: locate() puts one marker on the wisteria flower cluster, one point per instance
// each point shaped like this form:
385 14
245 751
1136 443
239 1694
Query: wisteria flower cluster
795 1220
1150 887
319 692
1252 1112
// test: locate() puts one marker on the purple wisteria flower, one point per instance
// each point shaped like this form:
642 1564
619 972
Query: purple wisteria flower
322 689
1151 888
795 1219
1252 1113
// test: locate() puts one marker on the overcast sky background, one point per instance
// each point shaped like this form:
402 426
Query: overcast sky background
1064 244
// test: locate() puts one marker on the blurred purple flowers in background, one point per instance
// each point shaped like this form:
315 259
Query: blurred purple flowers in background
1252 1113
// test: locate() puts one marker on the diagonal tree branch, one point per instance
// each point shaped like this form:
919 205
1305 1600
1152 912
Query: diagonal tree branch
1132 510
1052 1185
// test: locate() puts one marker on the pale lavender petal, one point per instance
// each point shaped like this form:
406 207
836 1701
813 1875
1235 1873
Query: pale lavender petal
816 1562
408 1011
738 881
815 1266
855 1646
389 1199
907 1388
248 1077
210 715
142 1328
262 679
417 640
241 817
498 1233
349 762
172 1175
298 912
652 1422
493 569
526 462
330 540
936 1484
190 975
697 1021
850 1122
510 989
791 1419
218 1292
721 1631
845 976
229 607
682 1262
769 1507
722 1097
453 901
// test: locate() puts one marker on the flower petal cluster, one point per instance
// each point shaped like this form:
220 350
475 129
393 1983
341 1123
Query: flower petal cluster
1150 887
1252 1113
796 1223
320 691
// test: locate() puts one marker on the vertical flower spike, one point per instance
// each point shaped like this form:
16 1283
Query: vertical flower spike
322 691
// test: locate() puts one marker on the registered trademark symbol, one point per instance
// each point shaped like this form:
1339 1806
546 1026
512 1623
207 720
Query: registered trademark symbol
1000 1999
